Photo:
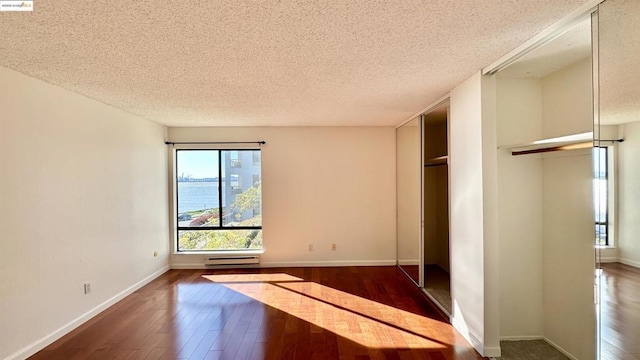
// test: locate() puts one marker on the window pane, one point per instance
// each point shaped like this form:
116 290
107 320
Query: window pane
600 194
219 239
204 177
197 179
241 189
600 186
235 159
601 234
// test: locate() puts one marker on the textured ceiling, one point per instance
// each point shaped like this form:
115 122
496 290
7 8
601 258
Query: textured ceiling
619 39
271 62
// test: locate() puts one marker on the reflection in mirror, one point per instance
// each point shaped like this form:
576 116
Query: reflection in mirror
618 170
408 163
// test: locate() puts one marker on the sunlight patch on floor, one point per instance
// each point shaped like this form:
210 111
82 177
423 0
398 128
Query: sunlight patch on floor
364 321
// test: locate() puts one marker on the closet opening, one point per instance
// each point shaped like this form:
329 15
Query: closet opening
437 281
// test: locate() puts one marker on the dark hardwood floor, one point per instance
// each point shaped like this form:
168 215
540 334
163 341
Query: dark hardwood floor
620 312
292 313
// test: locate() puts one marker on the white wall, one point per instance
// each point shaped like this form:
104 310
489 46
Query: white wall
567 101
473 213
568 230
568 267
490 215
320 185
519 108
83 198
629 195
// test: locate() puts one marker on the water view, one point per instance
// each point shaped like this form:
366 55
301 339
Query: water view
195 195
199 174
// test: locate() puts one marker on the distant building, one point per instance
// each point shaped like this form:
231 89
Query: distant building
241 170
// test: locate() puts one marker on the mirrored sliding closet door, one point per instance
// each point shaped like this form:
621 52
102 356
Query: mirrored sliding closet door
617 178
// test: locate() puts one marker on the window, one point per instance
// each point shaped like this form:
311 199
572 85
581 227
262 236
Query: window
235 183
603 194
216 209
236 160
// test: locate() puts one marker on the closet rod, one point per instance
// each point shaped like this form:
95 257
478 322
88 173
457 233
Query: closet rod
582 145
609 140
440 160
577 146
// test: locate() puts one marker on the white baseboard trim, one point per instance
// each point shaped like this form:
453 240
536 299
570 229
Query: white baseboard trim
484 350
629 262
565 352
40 344
328 263
492 352
521 338
475 343
274 264
205 267
460 325
409 262
613 259
189 266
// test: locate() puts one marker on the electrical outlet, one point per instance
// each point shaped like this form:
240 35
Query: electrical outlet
310 247
87 288
333 247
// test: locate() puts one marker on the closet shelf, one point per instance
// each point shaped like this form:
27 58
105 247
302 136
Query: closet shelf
569 142
440 160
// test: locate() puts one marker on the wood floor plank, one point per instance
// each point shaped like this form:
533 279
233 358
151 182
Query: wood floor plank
620 312
287 313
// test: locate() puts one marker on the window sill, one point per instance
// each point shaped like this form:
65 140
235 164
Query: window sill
605 247
222 252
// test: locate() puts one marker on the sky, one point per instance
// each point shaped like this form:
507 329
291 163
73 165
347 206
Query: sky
198 163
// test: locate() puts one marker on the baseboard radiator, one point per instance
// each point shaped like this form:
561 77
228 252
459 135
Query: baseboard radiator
231 260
